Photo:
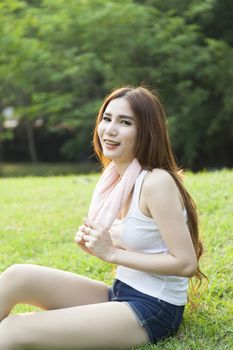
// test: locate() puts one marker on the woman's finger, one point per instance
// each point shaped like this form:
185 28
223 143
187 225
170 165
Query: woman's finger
92 224
78 236
88 238
87 230
82 228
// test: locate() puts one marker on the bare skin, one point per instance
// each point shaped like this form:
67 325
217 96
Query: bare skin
77 313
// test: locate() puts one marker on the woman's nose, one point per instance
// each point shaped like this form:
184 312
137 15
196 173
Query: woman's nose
111 129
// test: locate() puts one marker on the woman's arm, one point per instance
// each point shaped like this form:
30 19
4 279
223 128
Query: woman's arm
161 196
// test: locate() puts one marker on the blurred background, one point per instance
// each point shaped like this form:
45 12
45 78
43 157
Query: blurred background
59 58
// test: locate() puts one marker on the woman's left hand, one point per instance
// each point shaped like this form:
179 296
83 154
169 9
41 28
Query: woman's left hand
97 240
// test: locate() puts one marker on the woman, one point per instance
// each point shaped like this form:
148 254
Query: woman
142 219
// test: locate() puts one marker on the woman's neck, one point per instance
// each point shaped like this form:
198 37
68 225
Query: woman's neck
121 167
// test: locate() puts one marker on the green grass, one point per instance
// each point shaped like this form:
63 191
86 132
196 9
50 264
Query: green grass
40 215
46 169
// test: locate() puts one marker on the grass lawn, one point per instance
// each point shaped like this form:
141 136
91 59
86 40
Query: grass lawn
40 215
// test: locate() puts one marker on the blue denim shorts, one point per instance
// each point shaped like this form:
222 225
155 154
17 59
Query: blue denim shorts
159 318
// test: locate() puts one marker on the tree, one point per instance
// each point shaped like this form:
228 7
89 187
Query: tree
58 61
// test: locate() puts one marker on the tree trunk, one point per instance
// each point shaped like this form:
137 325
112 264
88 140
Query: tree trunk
1 156
31 141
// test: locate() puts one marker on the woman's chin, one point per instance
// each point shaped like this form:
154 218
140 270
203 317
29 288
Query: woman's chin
110 155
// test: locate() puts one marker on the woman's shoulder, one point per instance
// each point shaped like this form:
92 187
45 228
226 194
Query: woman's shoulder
159 184
158 179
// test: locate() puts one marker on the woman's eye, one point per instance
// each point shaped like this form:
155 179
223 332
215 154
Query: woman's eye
126 122
106 119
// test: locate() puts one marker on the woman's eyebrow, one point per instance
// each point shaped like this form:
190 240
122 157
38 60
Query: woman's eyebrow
122 116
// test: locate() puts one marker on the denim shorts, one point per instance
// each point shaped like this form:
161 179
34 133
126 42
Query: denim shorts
159 318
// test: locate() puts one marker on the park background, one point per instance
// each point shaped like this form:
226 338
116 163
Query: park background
58 59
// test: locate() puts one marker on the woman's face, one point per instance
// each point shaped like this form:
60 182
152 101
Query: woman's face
117 131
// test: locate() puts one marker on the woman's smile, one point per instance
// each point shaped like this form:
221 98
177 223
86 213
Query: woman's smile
117 131
111 144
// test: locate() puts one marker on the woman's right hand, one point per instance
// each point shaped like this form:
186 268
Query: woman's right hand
80 241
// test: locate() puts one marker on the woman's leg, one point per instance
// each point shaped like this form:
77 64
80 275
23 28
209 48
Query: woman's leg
110 325
47 288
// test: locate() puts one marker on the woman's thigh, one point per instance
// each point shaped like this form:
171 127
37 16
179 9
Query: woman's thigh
110 325
51 288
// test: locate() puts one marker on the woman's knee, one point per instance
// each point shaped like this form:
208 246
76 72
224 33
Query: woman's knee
13 272
16 276
10 337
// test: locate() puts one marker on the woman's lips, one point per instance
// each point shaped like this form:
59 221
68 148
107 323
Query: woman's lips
111 144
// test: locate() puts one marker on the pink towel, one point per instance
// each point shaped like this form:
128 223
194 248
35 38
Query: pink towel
111 193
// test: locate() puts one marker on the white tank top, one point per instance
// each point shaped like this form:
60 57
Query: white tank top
137 232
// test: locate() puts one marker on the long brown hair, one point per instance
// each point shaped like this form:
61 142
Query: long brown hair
153 150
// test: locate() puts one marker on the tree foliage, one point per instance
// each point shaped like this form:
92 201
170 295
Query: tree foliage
59 59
